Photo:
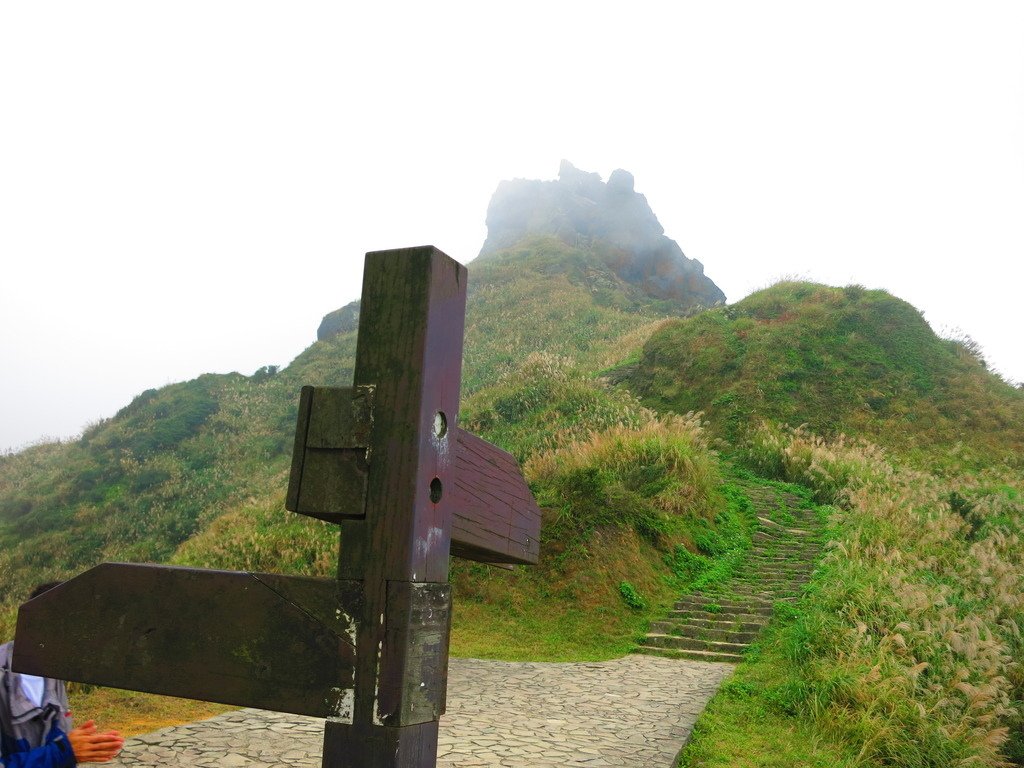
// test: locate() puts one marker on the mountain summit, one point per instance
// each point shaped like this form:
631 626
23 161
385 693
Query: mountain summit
583 211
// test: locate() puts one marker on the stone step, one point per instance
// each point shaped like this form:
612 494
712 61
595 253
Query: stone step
728 626
768 578
745 591
764 554
775 596
691 644
700 603
784 558
772 570
774 573
780 536
761 541
765 537
728 658
782 529
780 564
678 629
754 584
690 615
768 584
717 616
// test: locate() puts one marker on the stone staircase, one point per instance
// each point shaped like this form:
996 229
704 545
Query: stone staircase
719 624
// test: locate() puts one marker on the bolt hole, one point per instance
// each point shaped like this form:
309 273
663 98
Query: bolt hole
440 425
435 490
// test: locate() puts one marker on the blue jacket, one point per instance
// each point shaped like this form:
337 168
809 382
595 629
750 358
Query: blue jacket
32 736
56 754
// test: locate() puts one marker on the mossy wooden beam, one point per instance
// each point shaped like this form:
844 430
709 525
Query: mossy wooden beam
256 640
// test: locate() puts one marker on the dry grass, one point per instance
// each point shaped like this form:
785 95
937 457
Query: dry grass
910 648
133 713
666 459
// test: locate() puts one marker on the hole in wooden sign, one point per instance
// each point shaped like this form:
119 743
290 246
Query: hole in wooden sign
440 425
435 490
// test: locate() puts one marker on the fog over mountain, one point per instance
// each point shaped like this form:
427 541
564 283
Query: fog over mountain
580 208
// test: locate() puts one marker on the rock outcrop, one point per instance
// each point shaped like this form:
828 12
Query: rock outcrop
339 321
582 210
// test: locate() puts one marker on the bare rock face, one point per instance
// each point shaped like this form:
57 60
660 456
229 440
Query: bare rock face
581 209
342 320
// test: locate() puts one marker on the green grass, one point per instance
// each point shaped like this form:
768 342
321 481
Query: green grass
750 724
836 360
561 610
902 650
544 295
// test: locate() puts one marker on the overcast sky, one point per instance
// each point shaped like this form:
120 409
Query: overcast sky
189 187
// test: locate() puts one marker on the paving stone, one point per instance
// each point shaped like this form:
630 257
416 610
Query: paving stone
634 712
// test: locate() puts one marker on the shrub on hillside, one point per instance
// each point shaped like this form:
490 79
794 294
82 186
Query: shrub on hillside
830 468
547 402
645 477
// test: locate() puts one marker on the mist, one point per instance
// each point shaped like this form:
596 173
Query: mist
190 188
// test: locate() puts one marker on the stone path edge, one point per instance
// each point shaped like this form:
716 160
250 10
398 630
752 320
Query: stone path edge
633 712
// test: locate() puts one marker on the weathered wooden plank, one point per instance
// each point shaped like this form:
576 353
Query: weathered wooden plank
409 346
258 640
495 517
330 461
299 449
414 661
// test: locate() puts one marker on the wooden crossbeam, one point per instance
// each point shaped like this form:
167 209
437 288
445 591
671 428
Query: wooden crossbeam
495 518
284 643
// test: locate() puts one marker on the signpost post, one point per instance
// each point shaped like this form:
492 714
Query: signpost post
386 461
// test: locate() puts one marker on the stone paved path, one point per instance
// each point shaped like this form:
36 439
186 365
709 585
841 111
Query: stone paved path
635 711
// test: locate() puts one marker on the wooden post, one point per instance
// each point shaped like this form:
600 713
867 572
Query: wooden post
410 348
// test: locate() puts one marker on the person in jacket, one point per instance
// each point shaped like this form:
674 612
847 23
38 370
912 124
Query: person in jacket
35 721
80 745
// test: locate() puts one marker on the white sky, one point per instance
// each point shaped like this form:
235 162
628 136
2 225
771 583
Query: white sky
190 186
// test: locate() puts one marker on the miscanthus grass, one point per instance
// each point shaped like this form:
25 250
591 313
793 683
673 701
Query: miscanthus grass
906 649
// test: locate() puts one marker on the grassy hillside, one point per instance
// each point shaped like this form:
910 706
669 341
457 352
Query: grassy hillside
545 296
838 360
905 651
165 467
195 473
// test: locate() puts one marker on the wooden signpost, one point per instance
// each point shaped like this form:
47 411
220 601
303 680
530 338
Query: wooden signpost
386 461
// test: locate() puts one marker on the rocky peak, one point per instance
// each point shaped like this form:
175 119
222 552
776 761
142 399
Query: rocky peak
580 209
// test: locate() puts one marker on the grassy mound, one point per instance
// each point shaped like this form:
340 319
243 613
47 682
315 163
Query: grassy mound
838 360
139 485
